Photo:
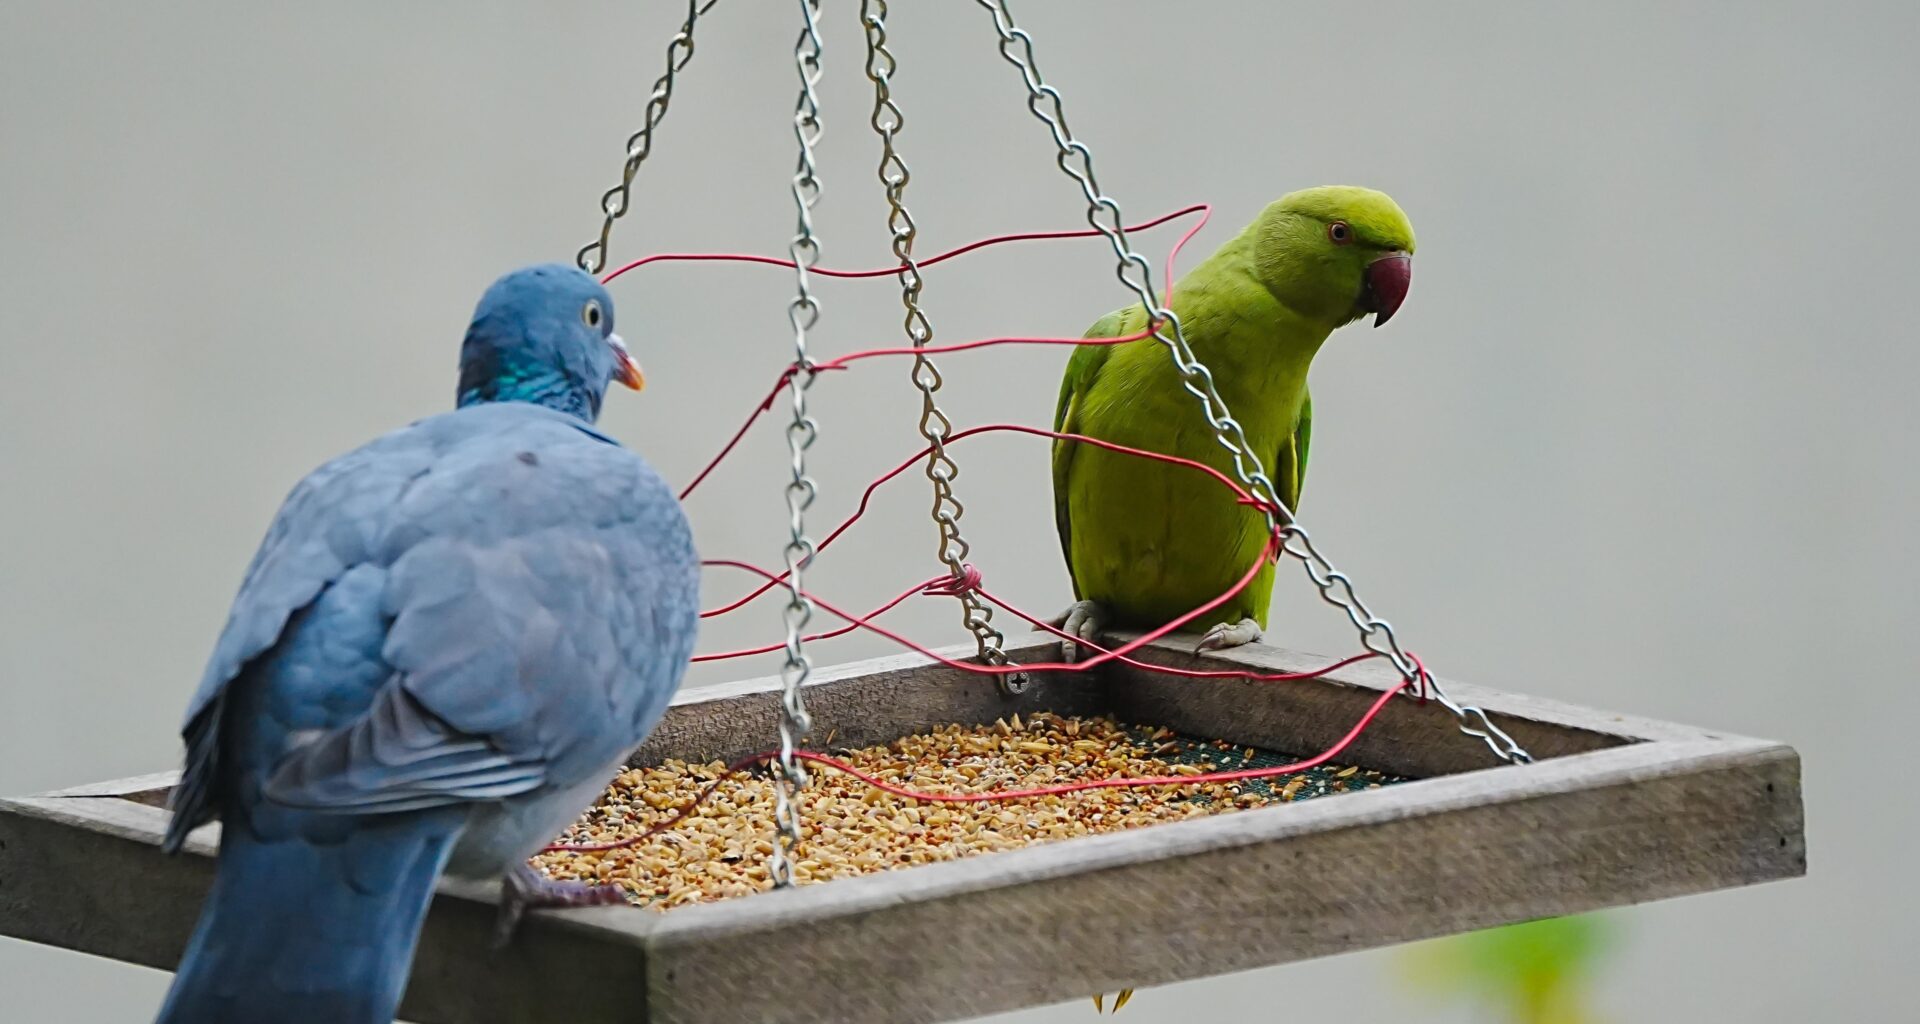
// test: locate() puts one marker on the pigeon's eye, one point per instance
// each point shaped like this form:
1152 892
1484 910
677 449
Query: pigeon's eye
591 315
1339 233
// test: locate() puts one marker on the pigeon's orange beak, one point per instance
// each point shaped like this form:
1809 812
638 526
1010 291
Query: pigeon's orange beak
625 370
1388 279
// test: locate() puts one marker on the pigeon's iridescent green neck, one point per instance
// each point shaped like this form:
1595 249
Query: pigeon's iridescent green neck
541 385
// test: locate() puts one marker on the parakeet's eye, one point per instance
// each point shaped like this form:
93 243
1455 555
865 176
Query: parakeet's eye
1339 233
591 315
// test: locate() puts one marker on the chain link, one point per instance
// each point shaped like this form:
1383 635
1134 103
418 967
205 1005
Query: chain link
592 257
935 427
802 313
1103 214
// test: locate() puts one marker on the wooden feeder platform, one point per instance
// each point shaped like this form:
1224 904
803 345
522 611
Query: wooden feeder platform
1616 810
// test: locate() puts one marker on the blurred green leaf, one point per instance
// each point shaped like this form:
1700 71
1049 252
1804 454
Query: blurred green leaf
1535 972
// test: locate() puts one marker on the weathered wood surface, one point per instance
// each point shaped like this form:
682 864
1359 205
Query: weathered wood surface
1202 897
1620 810
86 873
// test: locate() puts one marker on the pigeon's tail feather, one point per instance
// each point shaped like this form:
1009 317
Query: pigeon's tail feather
297 932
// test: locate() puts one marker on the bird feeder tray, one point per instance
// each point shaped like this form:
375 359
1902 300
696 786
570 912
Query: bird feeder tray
1616 810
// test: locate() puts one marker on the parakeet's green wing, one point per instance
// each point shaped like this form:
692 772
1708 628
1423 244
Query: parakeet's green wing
1082 368
1290 469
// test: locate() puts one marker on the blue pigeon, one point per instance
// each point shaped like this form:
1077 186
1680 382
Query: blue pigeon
447 643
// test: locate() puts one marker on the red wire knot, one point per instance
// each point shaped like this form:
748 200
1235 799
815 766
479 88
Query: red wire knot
1423 679
954 586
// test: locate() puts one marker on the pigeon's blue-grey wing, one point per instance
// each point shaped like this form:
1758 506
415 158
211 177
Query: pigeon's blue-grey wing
331 522
542 595
537 589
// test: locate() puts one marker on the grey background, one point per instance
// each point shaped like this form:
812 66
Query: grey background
1641 438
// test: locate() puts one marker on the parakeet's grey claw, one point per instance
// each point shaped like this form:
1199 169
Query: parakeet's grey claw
525 888
1229 634
1085 620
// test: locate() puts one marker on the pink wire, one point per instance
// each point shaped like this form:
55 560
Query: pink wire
926 587
866 496
998 795
1063 789
1204 209
948 585
1129 647
840 363
1189 673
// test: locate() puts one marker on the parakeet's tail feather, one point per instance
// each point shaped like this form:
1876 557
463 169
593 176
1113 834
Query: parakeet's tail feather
304 933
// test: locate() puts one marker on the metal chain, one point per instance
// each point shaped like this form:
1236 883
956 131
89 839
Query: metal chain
803 313
592 257
1103 214
941 469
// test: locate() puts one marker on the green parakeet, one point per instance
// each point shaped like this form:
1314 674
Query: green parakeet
1147 541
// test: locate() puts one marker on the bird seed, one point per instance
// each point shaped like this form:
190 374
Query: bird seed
850 828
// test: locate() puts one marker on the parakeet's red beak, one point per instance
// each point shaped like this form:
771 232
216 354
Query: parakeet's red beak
625 370
1387 281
